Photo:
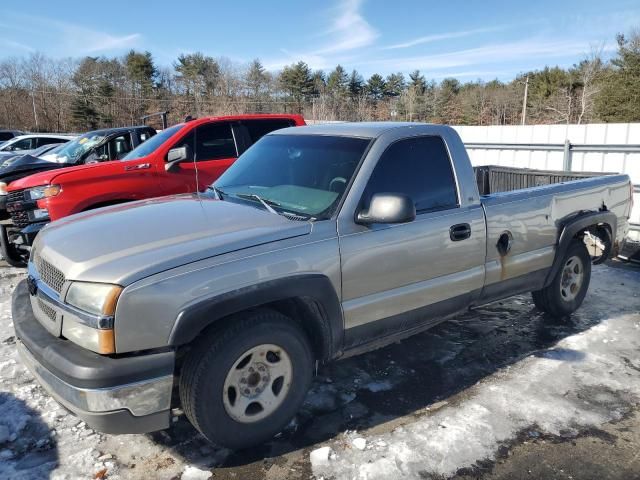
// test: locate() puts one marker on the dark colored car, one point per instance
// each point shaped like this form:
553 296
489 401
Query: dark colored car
9 134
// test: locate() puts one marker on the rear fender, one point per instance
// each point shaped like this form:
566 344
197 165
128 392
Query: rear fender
572 227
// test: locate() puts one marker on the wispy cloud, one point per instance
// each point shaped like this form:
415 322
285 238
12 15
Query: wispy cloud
65 37
498 53
441 36
349 32
16 45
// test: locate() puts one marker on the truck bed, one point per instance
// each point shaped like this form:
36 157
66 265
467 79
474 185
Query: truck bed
533 216
496 178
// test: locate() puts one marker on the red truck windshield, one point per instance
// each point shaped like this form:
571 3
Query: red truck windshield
151 145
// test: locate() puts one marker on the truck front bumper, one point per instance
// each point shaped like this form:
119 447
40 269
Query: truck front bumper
130 394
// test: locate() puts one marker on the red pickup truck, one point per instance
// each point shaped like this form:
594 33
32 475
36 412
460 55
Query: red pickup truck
163 165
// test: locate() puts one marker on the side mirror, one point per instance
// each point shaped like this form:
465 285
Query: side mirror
388 208
176 156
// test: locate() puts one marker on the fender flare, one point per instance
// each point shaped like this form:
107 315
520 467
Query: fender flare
573 226
193 319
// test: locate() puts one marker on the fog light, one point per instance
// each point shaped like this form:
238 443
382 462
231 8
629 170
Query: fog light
39 214
99 340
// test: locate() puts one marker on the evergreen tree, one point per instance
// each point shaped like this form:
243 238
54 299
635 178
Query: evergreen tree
356 84
394 85
619 98
297 81
375 86
338 82
417 82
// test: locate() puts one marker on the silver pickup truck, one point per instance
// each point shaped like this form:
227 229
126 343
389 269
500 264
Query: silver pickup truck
318 243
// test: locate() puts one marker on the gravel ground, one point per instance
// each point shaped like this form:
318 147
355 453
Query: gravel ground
499 392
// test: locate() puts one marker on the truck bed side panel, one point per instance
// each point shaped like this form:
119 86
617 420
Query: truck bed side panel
533 217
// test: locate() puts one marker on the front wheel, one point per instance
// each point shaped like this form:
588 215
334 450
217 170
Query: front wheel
568 288
12 254
242 385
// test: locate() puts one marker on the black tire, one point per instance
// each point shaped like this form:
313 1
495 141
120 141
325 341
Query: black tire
206 366
9 251
558 301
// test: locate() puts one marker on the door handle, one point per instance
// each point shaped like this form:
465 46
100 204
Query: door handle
140 166
458 232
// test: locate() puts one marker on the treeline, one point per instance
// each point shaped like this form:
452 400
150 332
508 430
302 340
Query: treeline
42 94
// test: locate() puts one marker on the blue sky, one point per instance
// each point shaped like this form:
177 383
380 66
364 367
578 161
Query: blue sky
464 39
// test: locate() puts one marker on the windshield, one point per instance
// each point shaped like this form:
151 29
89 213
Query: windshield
151 145
302 174
72 152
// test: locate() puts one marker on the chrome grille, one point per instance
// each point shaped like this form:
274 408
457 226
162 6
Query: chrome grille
47 310
49 274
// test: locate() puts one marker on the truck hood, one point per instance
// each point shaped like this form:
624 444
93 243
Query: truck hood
124 243
48 177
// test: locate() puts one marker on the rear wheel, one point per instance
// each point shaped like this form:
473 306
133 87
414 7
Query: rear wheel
568 288
242 385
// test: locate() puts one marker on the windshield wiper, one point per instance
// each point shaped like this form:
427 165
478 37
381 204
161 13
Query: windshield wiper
266 203
218 192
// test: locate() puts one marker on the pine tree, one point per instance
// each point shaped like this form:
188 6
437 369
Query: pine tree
619 98
394 85
338 82
356 84
375 87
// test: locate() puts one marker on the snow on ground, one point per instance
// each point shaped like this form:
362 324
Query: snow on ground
444 400
584 381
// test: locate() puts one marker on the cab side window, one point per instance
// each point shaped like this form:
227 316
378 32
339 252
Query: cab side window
418 167
119 147
24 144
214 141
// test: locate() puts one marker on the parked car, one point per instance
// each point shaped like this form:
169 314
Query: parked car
28 143
165 164
91 148
6 135
318 243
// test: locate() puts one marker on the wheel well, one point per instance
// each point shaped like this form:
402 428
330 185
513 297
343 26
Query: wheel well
304 311
104 204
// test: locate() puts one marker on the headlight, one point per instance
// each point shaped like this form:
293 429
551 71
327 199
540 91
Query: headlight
3 188
45 191
97 299
94 298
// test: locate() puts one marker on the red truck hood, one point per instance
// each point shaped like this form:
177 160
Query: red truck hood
47 178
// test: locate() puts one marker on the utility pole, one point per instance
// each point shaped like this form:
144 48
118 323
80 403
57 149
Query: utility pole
524 100
35 113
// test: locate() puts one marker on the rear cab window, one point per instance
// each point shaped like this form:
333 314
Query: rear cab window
249 132
48 141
